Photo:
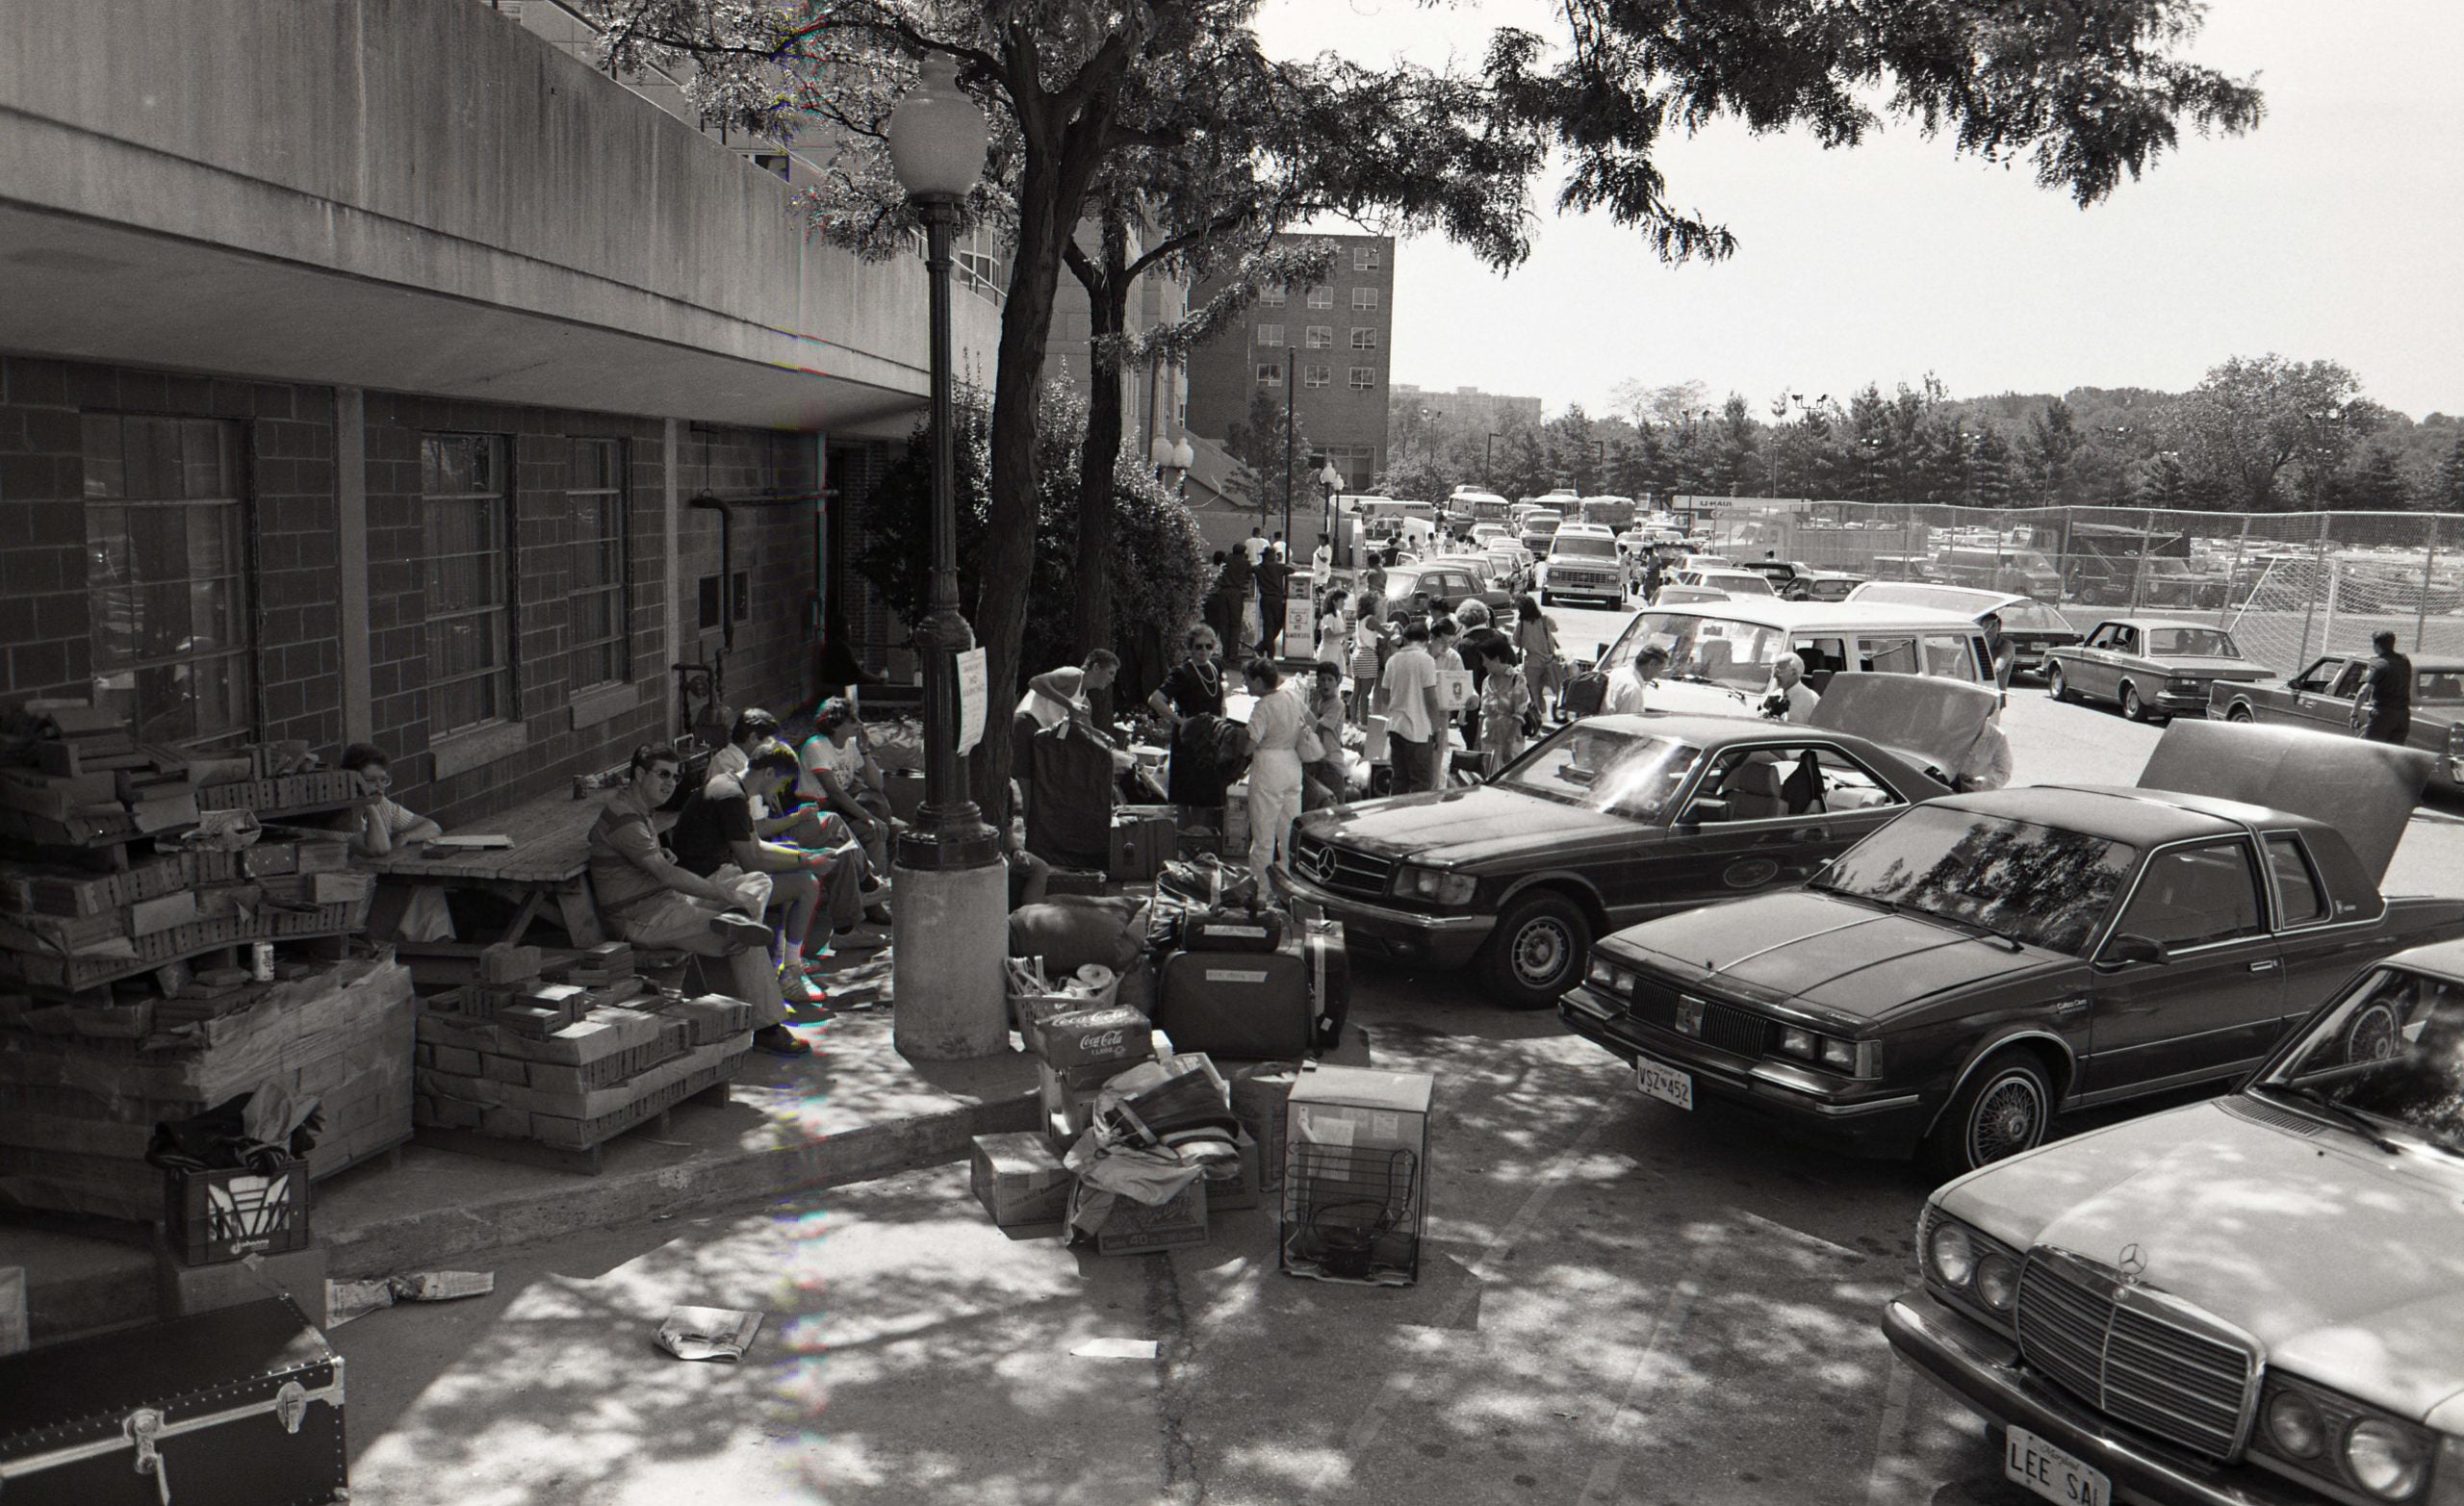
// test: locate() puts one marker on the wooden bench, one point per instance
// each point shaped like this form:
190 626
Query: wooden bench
548 865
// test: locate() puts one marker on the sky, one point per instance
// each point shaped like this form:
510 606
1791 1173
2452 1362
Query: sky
2335 231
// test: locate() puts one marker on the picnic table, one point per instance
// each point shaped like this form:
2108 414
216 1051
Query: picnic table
546 866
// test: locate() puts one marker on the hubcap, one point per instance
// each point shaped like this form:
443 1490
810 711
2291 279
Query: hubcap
1540 951
2008 1117
2130 702
2056 682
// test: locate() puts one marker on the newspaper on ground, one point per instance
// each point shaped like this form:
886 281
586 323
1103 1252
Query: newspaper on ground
708 1333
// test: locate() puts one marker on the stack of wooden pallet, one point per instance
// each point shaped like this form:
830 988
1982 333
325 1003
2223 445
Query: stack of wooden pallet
77 1108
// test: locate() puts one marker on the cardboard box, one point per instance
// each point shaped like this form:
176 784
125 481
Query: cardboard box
1261 1100
269 859
148 917
1223 1197
1134 1228
183 1290
1114 1038
1020 1182
330 888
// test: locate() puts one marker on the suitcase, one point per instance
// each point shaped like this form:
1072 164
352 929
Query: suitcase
1142 843
1233 931
1321 945
238 1407
1249 1006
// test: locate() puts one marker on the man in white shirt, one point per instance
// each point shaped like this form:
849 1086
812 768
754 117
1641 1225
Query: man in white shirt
1255 546
1322 565
1629 681
1791 699
1055 696
1407 695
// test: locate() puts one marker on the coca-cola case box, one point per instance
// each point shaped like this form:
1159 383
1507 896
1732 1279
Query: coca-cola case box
1085 1047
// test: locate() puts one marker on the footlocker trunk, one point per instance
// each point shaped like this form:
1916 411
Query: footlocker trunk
240 1407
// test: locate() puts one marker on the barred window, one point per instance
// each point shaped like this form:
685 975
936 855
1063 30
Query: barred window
469 565
165 590
1364 338
1363 377
1269 373
1269 333
601 651
1317 376
1364 297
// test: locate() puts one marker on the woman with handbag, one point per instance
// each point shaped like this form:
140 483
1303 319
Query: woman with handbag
1367 643
1505 705
1535 638
1281 739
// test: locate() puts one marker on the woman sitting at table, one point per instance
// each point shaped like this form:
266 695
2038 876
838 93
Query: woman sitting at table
385 829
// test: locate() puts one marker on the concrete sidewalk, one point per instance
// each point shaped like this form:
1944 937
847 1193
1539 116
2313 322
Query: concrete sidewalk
853 1110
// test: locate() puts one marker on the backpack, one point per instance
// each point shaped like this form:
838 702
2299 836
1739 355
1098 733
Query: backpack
1583 695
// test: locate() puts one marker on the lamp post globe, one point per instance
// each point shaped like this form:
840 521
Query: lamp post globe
949 923
1182 456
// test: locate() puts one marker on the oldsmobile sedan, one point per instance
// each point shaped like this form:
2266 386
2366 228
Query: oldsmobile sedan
2256 1299
2323 697
1605 822
1987 960
2152 667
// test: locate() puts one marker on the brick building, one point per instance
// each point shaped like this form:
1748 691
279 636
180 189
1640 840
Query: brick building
1332 342
399 378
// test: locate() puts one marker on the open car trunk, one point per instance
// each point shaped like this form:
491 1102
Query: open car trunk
2364 789
1935 720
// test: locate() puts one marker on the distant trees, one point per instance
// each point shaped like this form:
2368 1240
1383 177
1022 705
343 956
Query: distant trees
2269 433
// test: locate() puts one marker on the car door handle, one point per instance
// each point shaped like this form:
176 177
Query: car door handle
2264 964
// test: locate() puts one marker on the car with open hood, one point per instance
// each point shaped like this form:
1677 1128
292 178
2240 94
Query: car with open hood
1987 960
2254 1299
1602 822
2323 696
2152 667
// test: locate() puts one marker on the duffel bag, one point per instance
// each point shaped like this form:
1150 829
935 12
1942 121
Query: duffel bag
1232 930
1071 930
1245 1005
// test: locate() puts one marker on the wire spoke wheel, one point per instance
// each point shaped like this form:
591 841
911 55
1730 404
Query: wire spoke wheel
2008 1117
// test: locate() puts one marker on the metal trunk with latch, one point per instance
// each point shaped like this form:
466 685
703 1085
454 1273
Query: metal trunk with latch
240 1407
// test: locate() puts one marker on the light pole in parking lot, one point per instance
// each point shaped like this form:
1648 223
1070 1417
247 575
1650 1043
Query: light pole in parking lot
1489 462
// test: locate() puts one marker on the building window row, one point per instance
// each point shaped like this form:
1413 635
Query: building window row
1269 373
1364 297
1269 333
1364 338
1364 377
1317 376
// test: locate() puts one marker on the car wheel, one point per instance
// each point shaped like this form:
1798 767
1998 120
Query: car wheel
2372 1035
2239 713
2132 707
2004 1109
2091 594
1539 950
2057 686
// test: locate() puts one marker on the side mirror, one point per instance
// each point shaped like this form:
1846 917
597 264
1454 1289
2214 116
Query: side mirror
1709 808
2129 950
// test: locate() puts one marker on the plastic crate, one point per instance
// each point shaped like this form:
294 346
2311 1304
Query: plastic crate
212 1216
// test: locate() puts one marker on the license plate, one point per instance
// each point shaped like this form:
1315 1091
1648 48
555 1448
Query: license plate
1665 1082
2030 1461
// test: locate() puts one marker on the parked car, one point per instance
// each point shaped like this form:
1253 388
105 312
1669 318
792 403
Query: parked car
1721 652
1537 528
1797 582
1727 582
2323 697
1449 583
2029 627
1903 567
2162 581
1679 594
2154 668
2015 568
2258 1298
1583 563
1583 833
1987 961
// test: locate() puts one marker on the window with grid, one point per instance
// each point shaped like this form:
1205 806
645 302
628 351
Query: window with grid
1269 373
1321 296
601 651
1269 333
469 564
1317 376
1322 337
1363 377
1271 298
1364 297
1364 258
165 586
1364 339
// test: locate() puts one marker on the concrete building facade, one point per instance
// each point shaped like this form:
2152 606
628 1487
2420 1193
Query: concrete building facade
1326 348
377 371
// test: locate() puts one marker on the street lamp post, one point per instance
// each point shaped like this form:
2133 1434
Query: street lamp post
1334 484
949 928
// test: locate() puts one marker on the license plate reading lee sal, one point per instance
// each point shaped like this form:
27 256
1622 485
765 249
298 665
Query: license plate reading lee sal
1665 1082
2052 1474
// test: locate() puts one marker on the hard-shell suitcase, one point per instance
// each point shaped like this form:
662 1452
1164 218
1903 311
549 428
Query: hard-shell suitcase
1321 944
238 1407
1247 1005
1231 930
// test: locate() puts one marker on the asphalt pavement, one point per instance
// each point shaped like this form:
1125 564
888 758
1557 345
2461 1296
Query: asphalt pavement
1618 1302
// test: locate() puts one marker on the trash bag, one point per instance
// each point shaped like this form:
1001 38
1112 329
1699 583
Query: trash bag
254 1130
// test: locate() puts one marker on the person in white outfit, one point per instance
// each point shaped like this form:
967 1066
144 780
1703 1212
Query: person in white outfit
1274 767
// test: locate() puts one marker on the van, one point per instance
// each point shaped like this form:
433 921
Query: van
1721 652
2014 568
2030 628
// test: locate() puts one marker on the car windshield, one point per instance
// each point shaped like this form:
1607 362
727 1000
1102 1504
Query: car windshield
1623 773
2033 617
2038 885
1715 650
2443 686
1591 544
2206 643
2390 1051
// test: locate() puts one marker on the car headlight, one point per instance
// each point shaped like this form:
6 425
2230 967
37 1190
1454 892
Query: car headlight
1997 1282
1604 974
1797 1042
2387 1459
1859 1058
1416 883
1950 1253
1973 1269
2295 1427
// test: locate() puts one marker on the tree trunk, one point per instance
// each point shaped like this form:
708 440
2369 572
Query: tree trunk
1107 315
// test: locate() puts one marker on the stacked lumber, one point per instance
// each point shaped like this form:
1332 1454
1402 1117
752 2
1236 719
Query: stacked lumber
77 1108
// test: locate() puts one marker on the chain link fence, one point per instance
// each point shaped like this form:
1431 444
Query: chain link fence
2289 586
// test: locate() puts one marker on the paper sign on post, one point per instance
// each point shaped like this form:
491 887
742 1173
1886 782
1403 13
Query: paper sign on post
973 692
1456 687
1298 629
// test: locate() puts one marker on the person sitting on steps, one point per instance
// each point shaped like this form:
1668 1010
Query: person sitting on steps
717 830
647 898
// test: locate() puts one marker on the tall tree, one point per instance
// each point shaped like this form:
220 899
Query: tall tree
2447 487
2087 91
2053 444
1272 450
2249 420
